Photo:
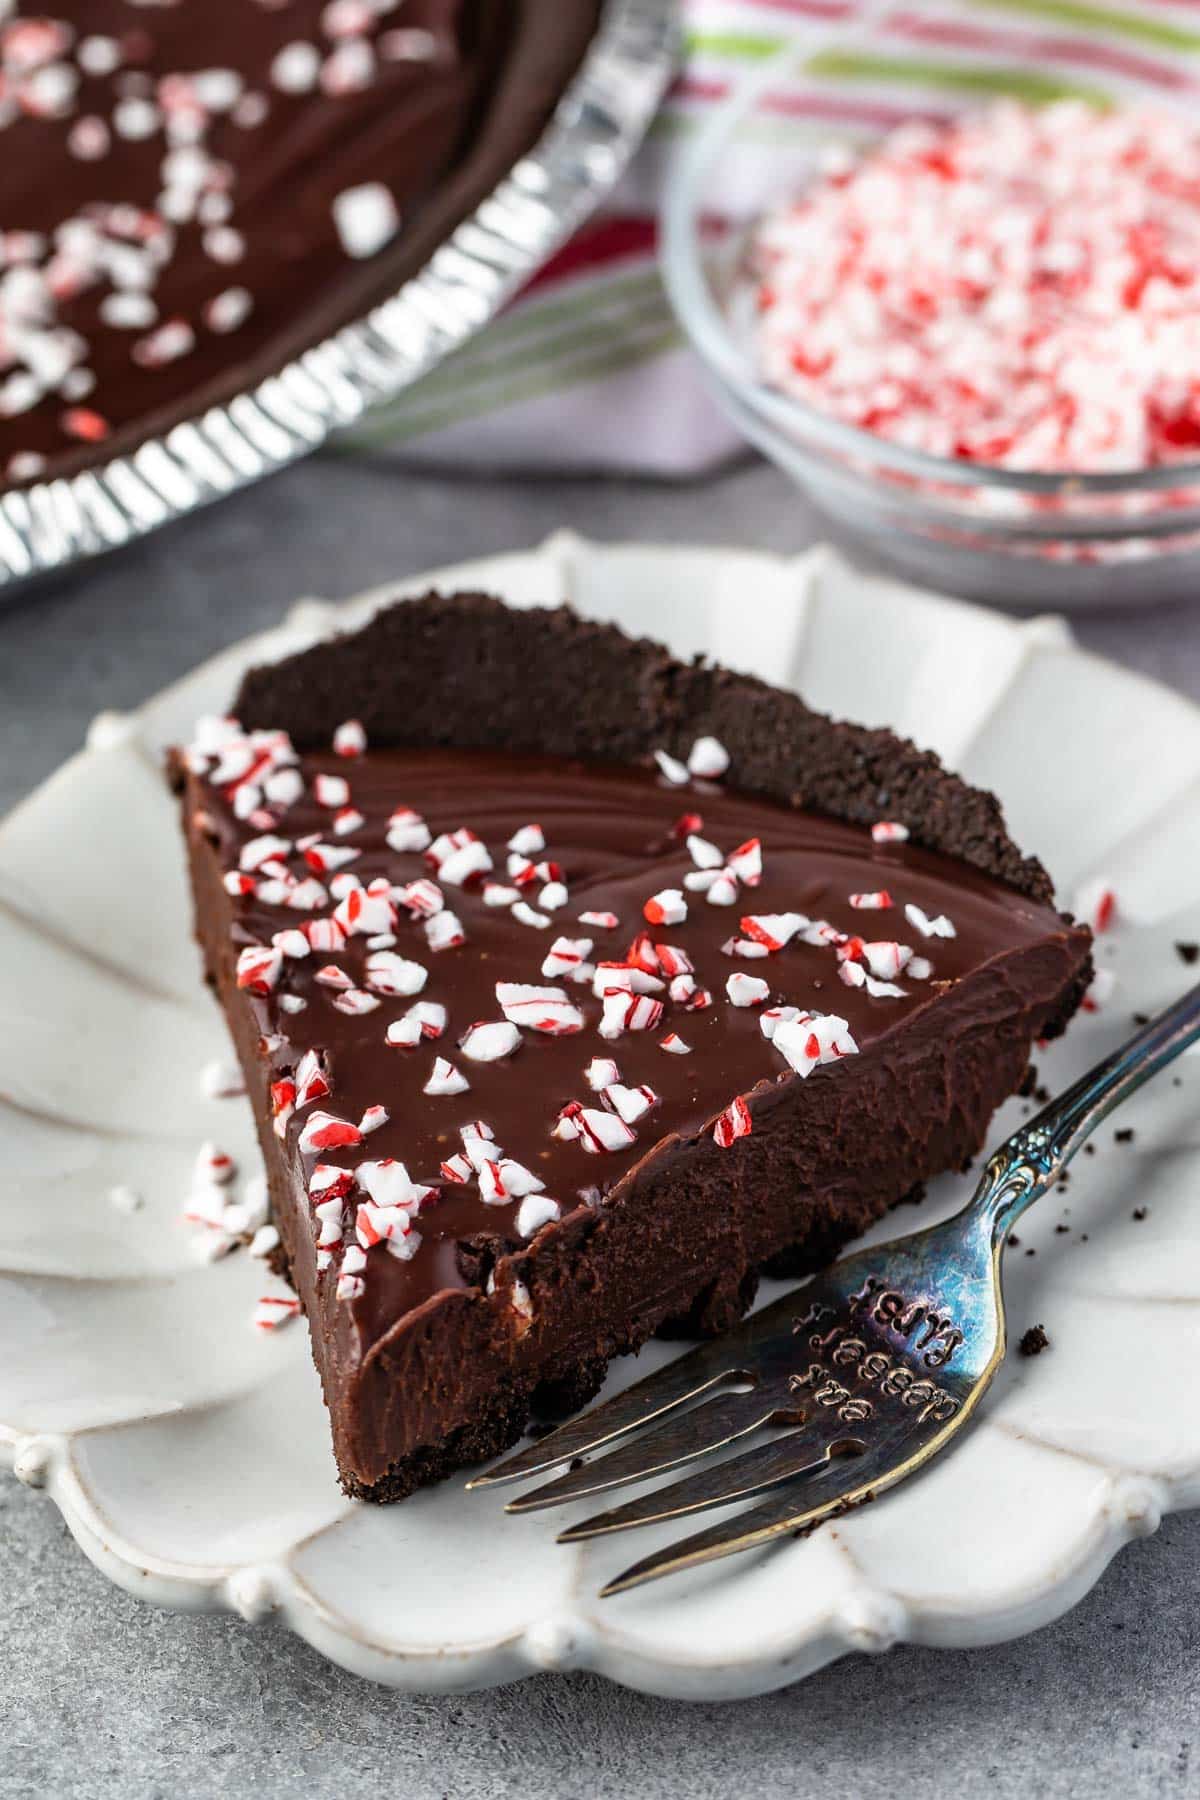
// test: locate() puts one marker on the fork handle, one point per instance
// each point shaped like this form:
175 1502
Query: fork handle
1032 1159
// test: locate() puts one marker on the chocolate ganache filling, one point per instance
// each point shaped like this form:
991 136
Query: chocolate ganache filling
194 191
692 952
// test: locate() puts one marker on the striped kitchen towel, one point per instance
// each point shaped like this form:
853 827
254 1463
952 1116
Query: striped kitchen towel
587 370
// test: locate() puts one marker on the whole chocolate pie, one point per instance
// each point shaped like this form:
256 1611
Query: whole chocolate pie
194 191
574 986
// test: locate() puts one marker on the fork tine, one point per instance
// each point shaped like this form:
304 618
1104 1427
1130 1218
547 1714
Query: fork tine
737 1478
780 1515
685 1435
656 1394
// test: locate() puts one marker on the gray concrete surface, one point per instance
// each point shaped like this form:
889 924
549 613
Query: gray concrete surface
100 1696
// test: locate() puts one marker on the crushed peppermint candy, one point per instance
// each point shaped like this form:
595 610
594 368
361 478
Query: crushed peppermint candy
735 1122
1018 286
708 758
1096 904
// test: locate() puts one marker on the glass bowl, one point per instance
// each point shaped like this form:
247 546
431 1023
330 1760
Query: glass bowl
967 528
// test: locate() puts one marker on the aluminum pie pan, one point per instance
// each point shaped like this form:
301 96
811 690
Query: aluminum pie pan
597 125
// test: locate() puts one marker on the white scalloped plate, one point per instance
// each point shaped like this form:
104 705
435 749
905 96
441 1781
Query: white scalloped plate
189 1453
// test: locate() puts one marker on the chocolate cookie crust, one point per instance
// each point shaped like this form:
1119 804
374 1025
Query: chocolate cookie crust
468 672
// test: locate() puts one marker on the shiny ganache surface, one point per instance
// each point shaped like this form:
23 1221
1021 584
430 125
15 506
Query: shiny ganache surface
191 187
615 833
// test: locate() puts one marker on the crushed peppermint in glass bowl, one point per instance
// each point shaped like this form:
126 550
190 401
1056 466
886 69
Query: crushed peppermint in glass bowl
971 333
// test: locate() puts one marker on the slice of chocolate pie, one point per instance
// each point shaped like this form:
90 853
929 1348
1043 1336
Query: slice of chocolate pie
574 986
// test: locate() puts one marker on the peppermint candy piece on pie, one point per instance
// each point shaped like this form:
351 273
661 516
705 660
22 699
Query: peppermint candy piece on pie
258 968
350 739
325 1131
534 1212
735 1122
387 973
407 832
490 1040
937 927
746 990
539 1008
445 1079
708 758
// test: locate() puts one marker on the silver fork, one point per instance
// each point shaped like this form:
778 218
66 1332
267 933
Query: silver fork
865 1373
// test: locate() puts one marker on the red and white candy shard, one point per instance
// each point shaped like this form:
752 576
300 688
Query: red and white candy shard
407 831
327 858
704 854
387 973
708 758
373 1118
528 915
938 927
601 1072
671 768
528 841
600 921
772 1017
775 930
746 862
811 1040
213 1165
331 790
750 948
258 851
355 1002
273 1310
490 1040
495 893
879 901
457 1169
722 890
534 1212
426 1019
258 969
629 1104
539 1008
624 1011
348 819
332 977
602 1131
567 956
1096 904
350 739
311 1080
735 1122
422 898
463 862
746 990
284 787
674 1044
667 907
444 931
446 1079
888 831
885 960
366 911
324 1131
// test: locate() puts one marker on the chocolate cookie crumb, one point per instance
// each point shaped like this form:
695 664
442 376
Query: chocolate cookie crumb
1124 1136
1140 1212
1188 953
1034 1341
